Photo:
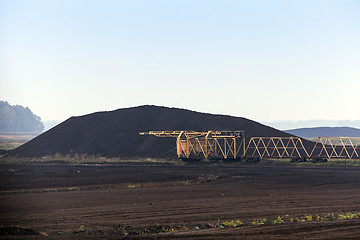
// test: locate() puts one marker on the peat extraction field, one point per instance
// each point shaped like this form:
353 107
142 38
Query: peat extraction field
167 201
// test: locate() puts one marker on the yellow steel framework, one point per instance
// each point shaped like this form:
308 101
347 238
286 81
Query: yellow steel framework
276 147
336 147
231 144
210 144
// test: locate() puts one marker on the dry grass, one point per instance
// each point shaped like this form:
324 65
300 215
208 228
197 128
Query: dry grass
9 141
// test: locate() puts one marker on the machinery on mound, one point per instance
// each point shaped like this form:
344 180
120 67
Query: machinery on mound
209 145
232 145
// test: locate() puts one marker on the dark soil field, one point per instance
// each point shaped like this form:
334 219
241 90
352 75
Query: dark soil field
190 201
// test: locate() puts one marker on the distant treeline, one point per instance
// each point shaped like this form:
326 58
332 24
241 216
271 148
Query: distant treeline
18 119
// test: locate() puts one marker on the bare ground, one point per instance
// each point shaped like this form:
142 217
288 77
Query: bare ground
148 200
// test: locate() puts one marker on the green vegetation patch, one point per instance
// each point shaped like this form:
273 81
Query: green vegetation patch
124 229
333 162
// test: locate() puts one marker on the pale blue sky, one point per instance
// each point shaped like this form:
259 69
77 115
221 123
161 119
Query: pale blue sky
264 60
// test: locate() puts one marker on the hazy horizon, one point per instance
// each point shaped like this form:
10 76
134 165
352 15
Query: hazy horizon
281 125
290 125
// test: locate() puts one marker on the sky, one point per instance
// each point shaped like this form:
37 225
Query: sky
266 60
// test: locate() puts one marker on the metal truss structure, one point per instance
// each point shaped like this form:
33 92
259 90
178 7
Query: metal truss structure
231 145
209 145
336 147
276 147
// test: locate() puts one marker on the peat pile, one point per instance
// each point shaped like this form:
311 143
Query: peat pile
116 133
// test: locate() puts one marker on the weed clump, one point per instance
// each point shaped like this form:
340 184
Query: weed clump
232 223
259 222
279 220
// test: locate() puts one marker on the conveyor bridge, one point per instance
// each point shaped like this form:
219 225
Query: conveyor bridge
232 145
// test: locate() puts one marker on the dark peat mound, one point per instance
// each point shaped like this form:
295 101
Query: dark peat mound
116 133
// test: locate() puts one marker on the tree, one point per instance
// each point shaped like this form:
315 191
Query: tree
18 119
